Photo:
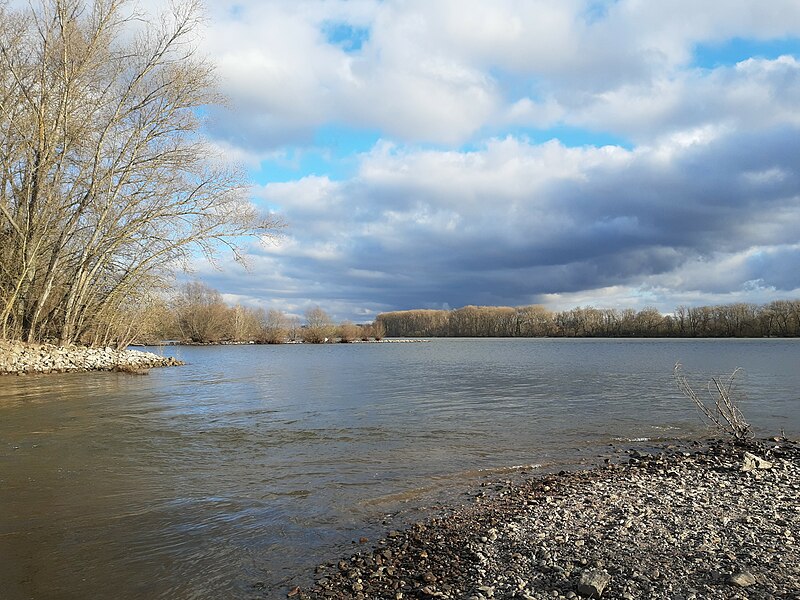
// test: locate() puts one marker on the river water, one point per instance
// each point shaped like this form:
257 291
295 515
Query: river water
233 476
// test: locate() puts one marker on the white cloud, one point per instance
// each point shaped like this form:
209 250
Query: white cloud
703 204
751 95
443 71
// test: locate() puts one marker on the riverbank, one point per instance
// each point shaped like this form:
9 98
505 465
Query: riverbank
288 342
18 358
678 523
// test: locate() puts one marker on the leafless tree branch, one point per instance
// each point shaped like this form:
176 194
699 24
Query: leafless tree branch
720 409
106 183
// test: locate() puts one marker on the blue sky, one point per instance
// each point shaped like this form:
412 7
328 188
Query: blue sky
451 152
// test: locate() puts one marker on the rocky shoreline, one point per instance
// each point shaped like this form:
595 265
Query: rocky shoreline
712 520
17 358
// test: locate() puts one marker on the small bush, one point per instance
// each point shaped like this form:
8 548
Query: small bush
348 332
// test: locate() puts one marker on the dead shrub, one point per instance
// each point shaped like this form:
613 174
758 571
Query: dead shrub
720 409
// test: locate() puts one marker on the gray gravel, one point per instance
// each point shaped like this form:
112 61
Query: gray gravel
672 524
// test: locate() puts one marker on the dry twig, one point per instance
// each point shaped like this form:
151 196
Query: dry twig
720 410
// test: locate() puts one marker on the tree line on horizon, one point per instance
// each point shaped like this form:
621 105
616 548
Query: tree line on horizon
780 318
197 314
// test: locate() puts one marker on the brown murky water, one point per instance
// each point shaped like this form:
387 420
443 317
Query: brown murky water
231 477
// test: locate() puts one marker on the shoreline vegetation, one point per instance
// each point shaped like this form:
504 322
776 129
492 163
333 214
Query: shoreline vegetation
199 316
711 519
197 313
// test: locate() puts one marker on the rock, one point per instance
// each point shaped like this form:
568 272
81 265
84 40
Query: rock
19 358
753 462
592 583
742 579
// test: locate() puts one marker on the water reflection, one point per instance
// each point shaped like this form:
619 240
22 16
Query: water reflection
230 476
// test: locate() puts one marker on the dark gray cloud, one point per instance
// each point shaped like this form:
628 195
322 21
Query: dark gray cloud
515 222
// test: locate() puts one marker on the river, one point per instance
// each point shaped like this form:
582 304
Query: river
233 476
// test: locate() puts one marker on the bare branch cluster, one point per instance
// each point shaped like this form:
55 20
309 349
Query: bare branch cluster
719 408
106 185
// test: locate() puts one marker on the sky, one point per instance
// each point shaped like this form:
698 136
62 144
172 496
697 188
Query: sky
439 153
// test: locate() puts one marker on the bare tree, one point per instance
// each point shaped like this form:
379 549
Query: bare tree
348 332
295 328
201 314
275 327
140 318
105 183
414 323
720 408
319 327
245 323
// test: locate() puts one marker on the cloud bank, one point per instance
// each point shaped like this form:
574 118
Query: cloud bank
430 154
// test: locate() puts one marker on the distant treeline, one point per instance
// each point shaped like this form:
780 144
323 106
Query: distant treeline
196 313
776 319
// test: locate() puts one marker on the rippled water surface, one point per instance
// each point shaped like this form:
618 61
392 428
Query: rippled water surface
231 477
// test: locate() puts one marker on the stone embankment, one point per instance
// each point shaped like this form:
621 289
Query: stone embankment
676 524
17 358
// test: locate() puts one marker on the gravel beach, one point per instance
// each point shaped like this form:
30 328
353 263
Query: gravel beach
18 358
711 520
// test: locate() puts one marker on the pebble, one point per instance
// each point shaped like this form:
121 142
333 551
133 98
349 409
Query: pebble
742 579
592 583
696 525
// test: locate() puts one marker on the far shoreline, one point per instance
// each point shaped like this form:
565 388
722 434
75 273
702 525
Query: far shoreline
23 358
288 343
